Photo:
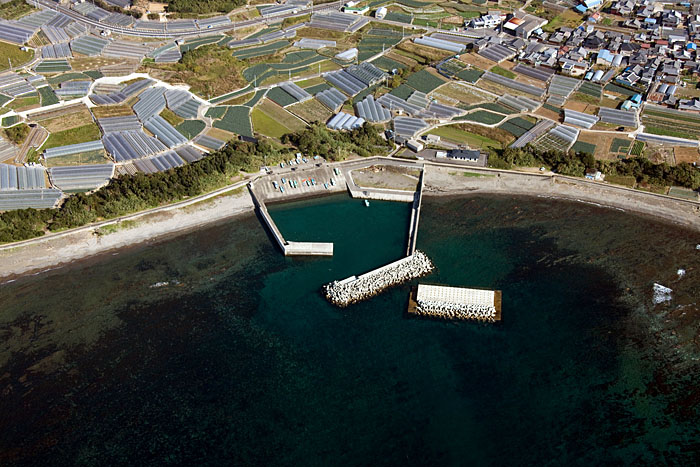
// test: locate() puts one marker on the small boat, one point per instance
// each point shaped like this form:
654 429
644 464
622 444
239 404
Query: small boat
332 182
313 181
325 185
281 189
274 184
283 181
367 202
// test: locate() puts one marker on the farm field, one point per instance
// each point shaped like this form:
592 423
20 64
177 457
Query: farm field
24 103
112 111
311 111
78 118
685 154
236 120
280 115
15 9
620 145
13 53
482 116
671 123
425 81
455 134
93 157
454 94
601 143
81 134
582 146
47 96
191 128
266 125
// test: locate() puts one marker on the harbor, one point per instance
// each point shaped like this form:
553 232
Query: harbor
455 303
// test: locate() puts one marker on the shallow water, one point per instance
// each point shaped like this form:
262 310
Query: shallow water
238 359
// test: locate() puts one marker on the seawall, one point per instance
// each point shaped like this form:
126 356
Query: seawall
441 180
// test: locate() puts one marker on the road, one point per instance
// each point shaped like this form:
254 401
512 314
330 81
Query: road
36 136
50 5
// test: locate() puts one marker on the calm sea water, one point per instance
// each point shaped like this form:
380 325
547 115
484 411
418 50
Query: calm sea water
211 348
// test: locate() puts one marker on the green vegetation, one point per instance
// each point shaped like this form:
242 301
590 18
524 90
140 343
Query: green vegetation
516 126
18 133
644 172
266 125
483 116
424 81
503 72
493 106
619 90
210 70
316 139
295 20
216 112
200 41
260 50
280 97
582 146
236 120
53 66
620 145
475 136
471 75
638 148
24 102
47 96
402 91
14 54
671 123
256 98
15 9
203 7
128 194
587 98
81 134
191 128
388 64
171 117
9 121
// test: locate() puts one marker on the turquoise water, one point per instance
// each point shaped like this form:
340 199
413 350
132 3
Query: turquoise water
238 359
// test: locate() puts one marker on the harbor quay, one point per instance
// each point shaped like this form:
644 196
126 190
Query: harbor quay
455 303
357 288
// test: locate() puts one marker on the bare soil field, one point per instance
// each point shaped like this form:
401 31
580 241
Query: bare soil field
112 111
382 176
602 143
311 111
685 154
81 117
477 61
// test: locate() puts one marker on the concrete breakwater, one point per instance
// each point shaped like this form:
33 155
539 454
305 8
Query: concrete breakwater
357 288
439 301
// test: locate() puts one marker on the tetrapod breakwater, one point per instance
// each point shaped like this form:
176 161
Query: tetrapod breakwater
455 303
357 288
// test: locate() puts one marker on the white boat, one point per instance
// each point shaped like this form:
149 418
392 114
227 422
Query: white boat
367 202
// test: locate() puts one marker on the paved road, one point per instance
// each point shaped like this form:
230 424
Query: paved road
48 4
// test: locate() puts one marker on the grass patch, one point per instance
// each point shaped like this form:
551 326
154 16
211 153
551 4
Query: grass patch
171 117
266 125
81 134
14 54
476 175
21 103
503 72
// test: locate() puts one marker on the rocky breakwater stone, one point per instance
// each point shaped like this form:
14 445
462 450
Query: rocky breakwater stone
353 290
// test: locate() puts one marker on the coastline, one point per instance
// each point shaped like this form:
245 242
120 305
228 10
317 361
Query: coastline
46 253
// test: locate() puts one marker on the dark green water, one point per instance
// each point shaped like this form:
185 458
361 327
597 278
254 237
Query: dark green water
239 361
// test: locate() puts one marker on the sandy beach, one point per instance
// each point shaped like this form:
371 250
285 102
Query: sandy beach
55 250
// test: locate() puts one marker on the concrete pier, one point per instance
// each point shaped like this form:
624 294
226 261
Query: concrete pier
289 248
415 216
457 303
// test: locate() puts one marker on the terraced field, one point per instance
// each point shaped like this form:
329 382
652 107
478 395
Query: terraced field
190 128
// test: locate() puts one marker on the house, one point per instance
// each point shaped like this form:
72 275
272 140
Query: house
592 174
523 24
485 21
623 7
689 105
468 155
